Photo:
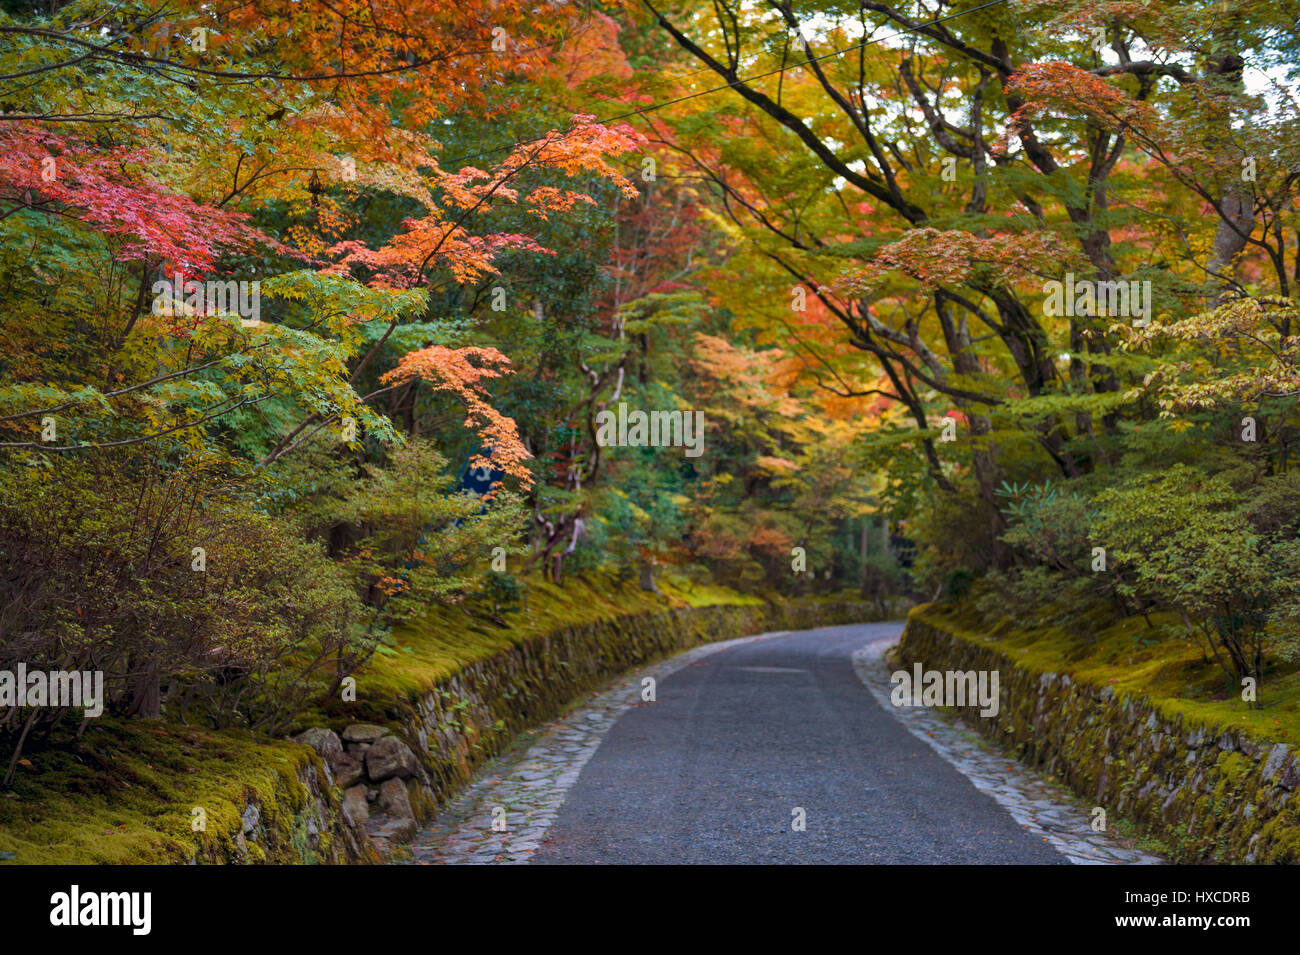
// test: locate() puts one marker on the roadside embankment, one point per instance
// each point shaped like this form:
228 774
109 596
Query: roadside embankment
449 693
1212 780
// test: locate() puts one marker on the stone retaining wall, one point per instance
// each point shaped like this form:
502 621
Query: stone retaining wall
388 779
1210 795
301 820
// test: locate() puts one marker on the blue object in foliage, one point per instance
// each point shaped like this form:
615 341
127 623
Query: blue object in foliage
480 480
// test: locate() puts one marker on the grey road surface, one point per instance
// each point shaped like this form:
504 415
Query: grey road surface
714 770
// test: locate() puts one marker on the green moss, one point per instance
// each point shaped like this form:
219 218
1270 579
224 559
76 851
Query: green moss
447 639
1232 770
1280 842
124 791
1127 834
1172 779
1232 767
1137 659
300 841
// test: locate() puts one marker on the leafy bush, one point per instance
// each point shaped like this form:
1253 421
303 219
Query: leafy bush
882 577
1186 541
402 530
954 533
1273 510
1037 596
1048 525
185 597
500 594
957 584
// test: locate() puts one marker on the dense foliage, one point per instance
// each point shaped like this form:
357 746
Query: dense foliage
1057 242
314 315
309 313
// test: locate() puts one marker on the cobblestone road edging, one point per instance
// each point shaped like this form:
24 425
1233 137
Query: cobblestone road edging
1036 804
524 789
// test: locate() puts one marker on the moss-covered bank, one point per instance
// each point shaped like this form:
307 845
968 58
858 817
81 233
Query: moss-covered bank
455 688
1209 787
145 791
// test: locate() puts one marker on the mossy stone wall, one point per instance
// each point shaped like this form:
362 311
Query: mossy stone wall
1208 794
459 722
299 821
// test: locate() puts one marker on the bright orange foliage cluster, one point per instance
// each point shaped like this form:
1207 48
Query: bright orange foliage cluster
461 372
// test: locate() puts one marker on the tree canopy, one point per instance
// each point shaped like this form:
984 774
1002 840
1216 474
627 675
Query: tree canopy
311 311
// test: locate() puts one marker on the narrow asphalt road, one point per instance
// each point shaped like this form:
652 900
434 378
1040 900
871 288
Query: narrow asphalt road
713 771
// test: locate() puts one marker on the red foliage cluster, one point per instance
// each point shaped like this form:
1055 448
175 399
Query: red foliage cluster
57 175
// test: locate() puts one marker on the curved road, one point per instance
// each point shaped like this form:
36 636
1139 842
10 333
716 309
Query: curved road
712 771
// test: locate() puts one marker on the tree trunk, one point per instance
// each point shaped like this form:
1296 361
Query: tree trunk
648 576
146 693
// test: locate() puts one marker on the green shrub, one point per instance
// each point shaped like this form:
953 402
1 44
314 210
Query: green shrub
500 594
1184 540
401 530
189 600
1048 525
954 533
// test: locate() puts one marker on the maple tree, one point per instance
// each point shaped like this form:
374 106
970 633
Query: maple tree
841 235
933 180
291 148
